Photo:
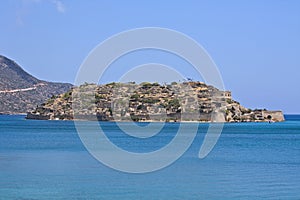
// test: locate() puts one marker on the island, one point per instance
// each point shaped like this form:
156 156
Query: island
175 102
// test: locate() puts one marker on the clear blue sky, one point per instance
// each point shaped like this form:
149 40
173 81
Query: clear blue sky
255 44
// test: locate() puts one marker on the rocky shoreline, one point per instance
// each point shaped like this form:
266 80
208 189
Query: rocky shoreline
175 102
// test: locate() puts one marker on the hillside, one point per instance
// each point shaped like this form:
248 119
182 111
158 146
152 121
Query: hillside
188 101
20 92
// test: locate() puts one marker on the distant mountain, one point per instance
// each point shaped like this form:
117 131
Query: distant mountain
20 92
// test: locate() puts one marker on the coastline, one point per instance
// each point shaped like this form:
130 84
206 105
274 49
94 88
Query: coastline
13 114
155 121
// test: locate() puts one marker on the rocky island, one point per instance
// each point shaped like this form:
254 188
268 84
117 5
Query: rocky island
187 101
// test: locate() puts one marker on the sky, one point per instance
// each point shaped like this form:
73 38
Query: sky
255 44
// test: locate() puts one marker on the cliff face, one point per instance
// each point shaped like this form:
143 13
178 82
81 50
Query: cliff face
20 92
189 101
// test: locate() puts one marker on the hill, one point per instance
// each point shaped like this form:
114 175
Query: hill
20 92
188 101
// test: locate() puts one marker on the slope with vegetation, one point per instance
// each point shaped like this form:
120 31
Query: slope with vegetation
20 92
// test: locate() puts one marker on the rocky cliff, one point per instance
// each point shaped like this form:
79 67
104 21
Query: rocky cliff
20 92
189 101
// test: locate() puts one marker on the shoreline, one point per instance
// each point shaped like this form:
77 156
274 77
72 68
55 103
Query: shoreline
153 121
13 113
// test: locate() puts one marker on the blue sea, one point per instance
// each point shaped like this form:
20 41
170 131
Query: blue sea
47 160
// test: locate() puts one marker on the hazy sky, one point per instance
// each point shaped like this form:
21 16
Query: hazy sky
255 44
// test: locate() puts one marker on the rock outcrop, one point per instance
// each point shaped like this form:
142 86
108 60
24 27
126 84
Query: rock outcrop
188 101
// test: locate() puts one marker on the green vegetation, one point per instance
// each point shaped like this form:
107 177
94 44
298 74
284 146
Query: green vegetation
150 100
174 103
111 84
135 96
229 101
67 95
146 85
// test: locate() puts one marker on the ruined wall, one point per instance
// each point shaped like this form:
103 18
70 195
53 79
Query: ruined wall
275 115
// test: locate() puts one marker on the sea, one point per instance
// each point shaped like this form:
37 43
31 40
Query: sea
43 160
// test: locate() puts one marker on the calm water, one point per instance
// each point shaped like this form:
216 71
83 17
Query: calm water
46 160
